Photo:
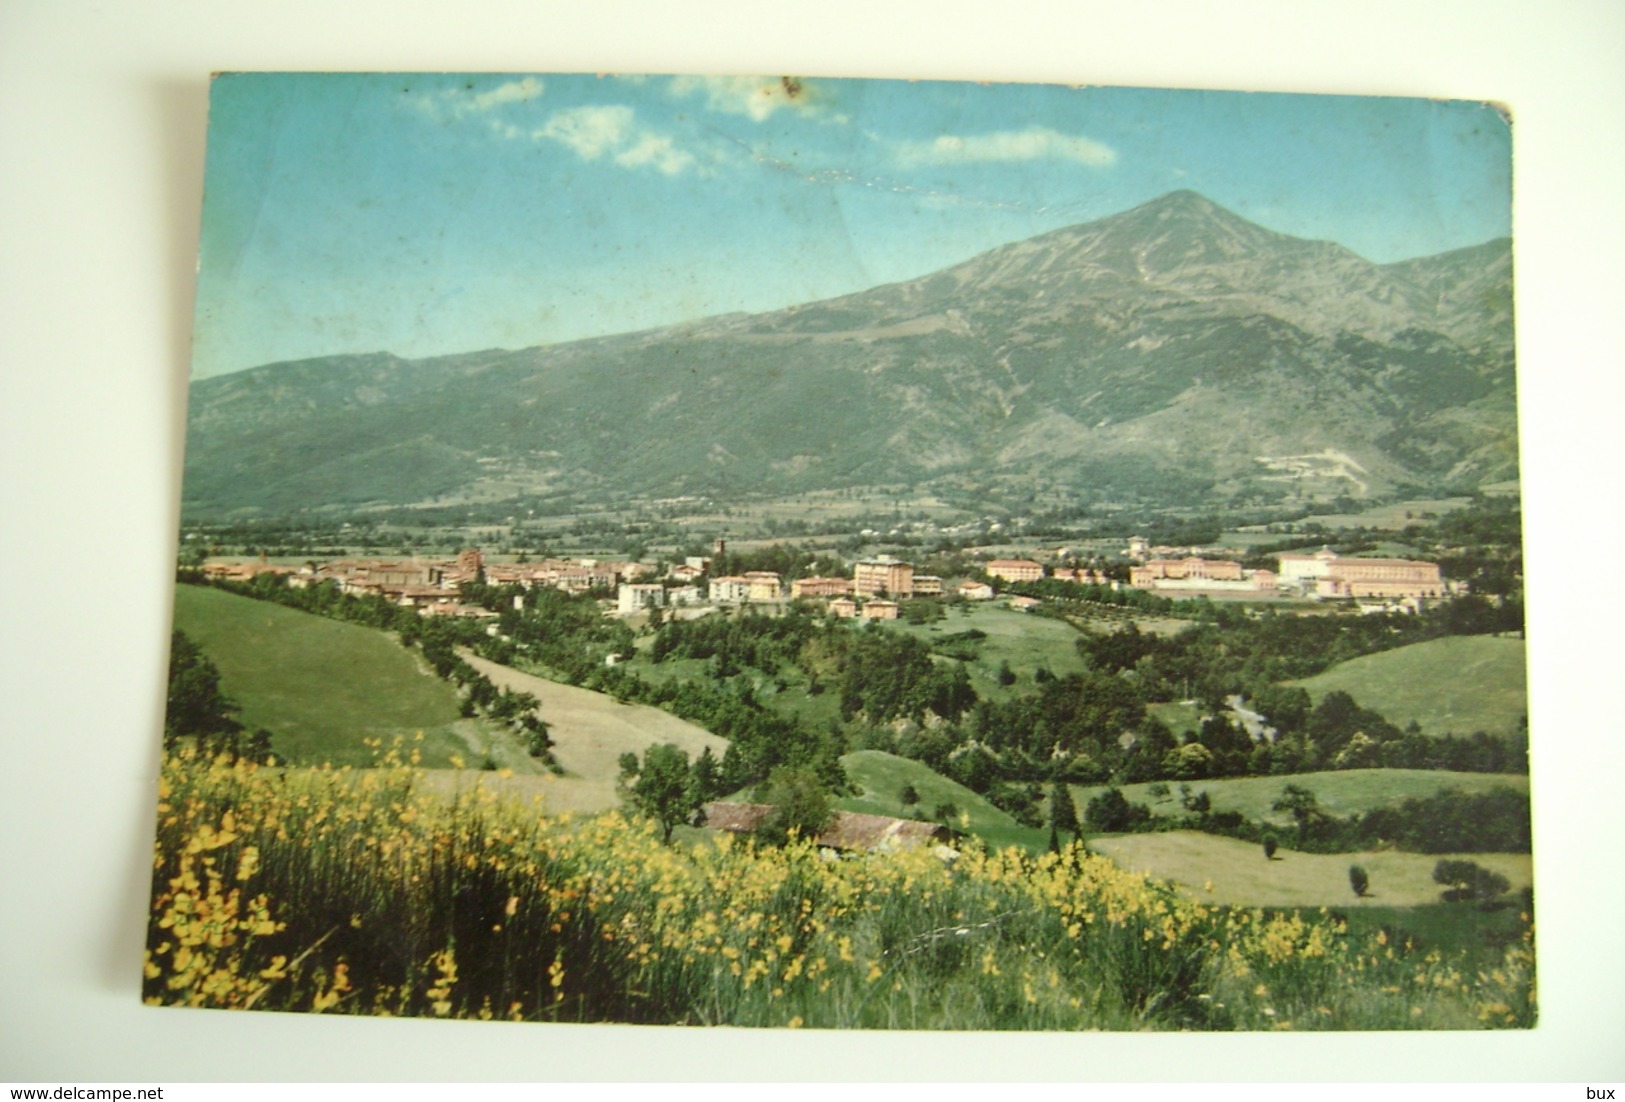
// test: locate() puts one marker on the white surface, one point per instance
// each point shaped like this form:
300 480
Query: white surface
102 112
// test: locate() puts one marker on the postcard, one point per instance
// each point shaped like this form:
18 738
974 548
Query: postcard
848 554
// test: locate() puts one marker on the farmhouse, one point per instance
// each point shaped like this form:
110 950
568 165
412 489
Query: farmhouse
850 831
843 608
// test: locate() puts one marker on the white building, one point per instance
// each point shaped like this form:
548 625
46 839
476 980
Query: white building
635 598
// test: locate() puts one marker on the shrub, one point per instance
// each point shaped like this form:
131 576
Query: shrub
1111 813
1359 880
1466 881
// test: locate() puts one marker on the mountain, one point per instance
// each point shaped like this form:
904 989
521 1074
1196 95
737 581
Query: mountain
1174 352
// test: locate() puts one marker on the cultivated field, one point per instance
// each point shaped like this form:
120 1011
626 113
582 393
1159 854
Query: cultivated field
324 688
1341 792
1225 870
1455 685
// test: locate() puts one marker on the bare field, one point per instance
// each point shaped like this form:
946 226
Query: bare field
1226 870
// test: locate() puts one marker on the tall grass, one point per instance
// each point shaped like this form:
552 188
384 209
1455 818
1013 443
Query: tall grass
353 891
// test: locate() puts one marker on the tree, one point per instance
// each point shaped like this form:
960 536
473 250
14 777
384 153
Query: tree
908 796
801 805
706 777
1304 807
1467 880
1111 813
1063 813
1270 846
660 787
1359 880
196 707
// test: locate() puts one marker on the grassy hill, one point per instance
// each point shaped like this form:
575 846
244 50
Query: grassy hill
1023 640
323 687
590 732
1456 685
880 778
1341 793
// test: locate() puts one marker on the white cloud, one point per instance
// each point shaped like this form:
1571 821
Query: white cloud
462 102
652 149
590 131
613 132
1034 143
514 91
756 98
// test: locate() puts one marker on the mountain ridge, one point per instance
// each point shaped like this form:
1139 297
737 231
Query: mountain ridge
1162 350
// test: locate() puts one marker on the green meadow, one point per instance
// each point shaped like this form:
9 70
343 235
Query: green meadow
1340 792
879 779
324 688
1456 685
1025 641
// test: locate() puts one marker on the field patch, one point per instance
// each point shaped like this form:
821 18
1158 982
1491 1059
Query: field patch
881 778
1225 870
590 732
1456 685
323 687
1339 792
1025 641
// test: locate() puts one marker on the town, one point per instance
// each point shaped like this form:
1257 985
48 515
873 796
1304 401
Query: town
874 587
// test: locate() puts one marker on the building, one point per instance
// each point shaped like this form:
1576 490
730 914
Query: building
976 591
631 598
244 571
880 609
765 585
1015 570
821 587
882 576
927 585
1190 568
1193 574
843 608
1325 574
729 589
851 831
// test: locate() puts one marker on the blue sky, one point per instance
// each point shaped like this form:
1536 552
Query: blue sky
433 214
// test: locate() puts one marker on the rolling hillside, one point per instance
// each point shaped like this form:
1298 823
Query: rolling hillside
1455 685
323 687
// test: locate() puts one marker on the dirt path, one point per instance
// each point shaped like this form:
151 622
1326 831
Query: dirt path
590 732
